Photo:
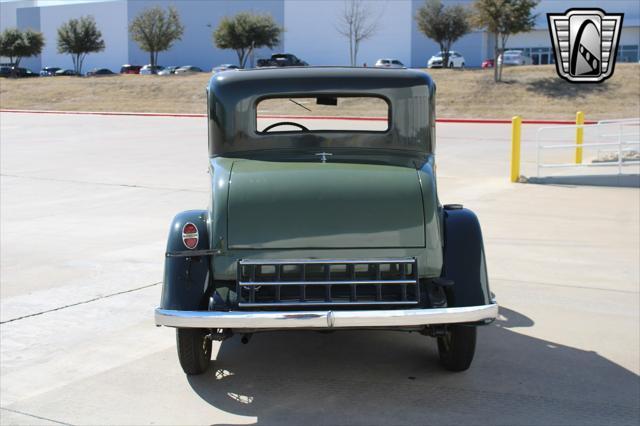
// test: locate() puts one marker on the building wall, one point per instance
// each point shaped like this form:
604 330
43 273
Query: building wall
111 19
8 12
312 32
29 18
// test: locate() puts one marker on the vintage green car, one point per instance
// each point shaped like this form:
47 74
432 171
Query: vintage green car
324 215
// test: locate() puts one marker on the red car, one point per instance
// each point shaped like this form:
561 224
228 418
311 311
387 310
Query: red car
130 69
488 63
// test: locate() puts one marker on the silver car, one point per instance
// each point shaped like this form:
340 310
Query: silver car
389 63
168 70
456 60
514 57
188 69
151 69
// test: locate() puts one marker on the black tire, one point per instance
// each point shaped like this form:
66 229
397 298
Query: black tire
194 350
451 65
457 347
462 66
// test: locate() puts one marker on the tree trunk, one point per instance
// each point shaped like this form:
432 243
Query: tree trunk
445 55
351 49
496 54
356 44
240 56
503 46
80 62
247 56
15 63
151 59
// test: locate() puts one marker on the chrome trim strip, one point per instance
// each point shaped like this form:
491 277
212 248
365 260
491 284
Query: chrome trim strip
349 303
268 262
275 283
189 253
324 319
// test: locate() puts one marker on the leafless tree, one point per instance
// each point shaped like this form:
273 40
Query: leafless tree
357 23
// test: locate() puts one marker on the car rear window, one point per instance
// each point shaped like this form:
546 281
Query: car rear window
322 113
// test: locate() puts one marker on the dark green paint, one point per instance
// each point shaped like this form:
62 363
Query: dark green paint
293 205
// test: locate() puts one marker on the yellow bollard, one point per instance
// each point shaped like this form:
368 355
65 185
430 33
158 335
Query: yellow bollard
516 132
579 136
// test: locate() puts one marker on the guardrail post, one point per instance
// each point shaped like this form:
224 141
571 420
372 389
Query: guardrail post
516 133
579 136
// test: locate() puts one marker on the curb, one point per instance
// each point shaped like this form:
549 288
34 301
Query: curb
163 114
138 114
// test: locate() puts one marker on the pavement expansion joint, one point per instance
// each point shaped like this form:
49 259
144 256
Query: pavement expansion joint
34 416
80 303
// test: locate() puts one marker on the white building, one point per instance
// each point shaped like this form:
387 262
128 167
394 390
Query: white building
310 31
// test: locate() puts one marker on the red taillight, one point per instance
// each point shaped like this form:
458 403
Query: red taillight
190 235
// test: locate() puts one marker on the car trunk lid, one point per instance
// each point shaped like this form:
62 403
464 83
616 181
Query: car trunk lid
296 205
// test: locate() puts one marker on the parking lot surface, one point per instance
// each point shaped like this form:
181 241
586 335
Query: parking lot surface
86 203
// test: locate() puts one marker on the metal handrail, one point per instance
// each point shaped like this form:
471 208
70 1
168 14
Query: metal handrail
622 143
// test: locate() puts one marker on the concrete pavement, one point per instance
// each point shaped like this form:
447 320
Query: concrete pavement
86 202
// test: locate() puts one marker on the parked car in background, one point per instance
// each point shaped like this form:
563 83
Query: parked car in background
281 60
514 57
224 67
99 72
49 71
24 72
151 69
168 70
130 69
388 63
488 63
65 72
188 69
456 60
5 71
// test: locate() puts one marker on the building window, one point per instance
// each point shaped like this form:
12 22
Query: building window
628 53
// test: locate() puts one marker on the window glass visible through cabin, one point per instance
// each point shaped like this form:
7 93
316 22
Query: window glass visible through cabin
322 113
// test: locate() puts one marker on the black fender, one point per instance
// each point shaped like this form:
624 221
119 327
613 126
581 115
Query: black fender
187 279
464 259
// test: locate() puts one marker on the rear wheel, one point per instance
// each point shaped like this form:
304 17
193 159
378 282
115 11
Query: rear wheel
451 65
194 350
457 347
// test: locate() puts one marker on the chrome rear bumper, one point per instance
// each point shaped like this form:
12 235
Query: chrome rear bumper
324 319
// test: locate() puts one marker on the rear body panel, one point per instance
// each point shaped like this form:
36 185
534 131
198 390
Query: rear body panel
297 205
